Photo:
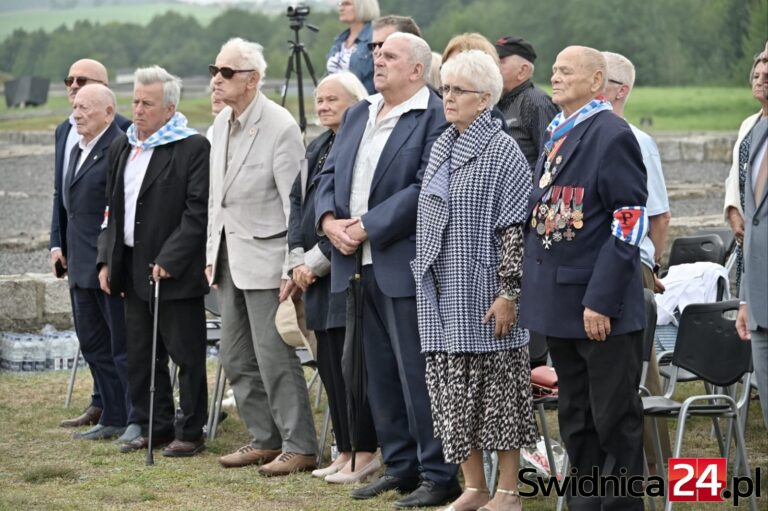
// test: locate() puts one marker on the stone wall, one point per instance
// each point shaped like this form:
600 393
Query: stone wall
31 300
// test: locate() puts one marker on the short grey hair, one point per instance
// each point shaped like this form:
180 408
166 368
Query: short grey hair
619 68
349 82
366 10
251 55
418 51
479 69
156 74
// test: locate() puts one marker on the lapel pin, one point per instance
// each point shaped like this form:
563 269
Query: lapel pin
252 132
558 159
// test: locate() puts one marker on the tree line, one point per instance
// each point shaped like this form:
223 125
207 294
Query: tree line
671 42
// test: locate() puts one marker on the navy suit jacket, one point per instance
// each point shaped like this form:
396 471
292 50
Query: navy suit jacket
391 217
76 231
595 269
58 225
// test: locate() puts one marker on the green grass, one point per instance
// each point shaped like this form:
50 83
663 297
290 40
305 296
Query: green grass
671 109
43 468
50 19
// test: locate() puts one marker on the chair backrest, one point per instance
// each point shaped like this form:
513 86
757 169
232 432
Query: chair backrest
538 349
692 249
726 234
708 345
212 302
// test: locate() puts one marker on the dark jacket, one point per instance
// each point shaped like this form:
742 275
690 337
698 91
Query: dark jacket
171 219
595 269
324 309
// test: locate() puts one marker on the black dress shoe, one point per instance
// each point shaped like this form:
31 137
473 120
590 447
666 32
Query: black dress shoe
429 494
383 484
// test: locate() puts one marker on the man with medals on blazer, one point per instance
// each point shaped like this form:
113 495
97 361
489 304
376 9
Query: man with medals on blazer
582 281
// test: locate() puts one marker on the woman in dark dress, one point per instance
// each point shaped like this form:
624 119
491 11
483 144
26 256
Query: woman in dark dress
310 269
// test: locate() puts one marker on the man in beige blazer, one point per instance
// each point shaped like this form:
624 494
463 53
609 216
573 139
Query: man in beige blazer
256 154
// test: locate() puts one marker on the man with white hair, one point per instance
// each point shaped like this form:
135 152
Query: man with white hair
154 235
366 204
527 109
81 73
79 204
257 153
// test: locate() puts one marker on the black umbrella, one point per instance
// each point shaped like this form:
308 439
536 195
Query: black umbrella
353 357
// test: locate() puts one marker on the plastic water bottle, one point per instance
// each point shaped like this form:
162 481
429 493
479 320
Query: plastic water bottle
38 354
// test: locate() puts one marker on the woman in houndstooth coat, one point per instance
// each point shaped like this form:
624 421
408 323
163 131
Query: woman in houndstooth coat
468 271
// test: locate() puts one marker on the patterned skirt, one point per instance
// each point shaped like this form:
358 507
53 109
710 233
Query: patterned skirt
481 401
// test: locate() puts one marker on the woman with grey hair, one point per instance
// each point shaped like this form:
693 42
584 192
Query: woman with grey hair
350 50
310 260
469 250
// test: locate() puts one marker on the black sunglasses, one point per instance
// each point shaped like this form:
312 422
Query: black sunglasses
226 72
81 80
374 45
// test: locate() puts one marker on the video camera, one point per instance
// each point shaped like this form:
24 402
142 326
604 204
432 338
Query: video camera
297 12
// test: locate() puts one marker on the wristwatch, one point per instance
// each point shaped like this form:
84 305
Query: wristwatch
360 221
656 269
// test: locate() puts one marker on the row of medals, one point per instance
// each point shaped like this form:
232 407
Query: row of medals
557 220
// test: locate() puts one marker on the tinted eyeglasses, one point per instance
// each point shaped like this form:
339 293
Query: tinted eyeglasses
374 45
81 80
457 91
611 80
226 72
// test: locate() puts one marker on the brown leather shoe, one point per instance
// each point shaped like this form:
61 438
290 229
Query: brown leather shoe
248 455
142 442
288 463
90 417
183 449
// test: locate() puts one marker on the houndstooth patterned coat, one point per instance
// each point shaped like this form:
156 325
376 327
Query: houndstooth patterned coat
475 187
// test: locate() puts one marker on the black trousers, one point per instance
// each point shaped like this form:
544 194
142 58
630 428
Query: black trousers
330 345
181 335
600 412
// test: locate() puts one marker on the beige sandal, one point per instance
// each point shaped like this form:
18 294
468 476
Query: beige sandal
506 492
467 488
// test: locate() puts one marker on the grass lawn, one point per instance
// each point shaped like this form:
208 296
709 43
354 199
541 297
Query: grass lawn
43 468
671 109
50 19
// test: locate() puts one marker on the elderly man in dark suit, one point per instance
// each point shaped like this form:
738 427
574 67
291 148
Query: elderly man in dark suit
79 203
82 73
582 281
366 200
155 231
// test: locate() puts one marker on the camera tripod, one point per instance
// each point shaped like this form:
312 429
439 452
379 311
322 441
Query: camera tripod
294 65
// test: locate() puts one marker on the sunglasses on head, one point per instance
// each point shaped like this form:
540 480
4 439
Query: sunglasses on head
374 45
81 80
226 72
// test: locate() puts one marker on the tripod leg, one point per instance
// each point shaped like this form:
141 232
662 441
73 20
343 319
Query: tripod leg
308 62
288 73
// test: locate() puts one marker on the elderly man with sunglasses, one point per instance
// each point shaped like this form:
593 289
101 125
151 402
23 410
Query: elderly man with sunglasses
256 156
98 319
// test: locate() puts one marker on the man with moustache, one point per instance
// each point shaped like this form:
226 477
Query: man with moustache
257 153
366 201
155 232
582 280
98 319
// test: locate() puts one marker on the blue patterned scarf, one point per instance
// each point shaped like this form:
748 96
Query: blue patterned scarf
172 131
560 125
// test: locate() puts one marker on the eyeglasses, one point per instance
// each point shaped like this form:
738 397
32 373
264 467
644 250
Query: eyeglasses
611 80
456 91
81 80
344 4
226 72
375 45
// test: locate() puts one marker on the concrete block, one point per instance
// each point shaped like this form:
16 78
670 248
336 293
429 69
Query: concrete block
669 149
18 298
56 298
692 149
719 148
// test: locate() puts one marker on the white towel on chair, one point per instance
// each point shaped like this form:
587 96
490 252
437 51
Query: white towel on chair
686 284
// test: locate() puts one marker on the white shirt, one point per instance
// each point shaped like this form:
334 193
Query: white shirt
135 169
759 157
73 137
372 144
85 149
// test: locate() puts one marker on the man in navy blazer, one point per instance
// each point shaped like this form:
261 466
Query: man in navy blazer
78 210
366 201
582 281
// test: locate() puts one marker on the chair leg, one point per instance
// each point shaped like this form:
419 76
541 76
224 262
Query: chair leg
491 466
174 370
319 390
324 434
547 441
646 474
71 384
742 453
566 463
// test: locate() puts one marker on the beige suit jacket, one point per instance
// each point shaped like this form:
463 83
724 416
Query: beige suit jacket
248 201
732 196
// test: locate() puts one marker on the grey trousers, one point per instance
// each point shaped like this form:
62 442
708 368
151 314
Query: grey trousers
265 374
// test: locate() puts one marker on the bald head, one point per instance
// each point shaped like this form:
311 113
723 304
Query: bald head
88 71
94 110
578 76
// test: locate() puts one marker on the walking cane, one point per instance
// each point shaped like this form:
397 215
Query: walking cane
150 459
